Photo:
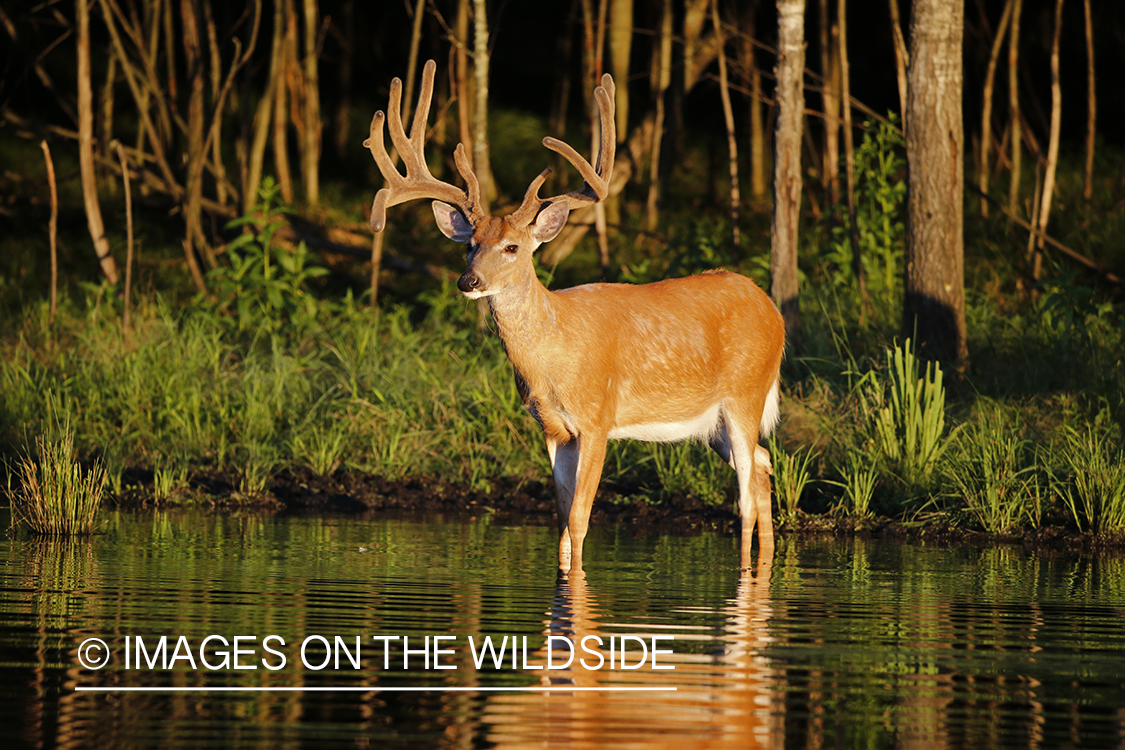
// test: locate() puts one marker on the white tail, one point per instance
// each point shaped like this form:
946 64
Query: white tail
697 357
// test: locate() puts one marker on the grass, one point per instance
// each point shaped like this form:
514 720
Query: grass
282 369
58 497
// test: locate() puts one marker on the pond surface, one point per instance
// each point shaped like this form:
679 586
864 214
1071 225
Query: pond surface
370 632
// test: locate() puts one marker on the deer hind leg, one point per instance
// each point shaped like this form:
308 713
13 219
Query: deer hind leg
564 465
752 464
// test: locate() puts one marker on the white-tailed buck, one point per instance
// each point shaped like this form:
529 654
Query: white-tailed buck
696 357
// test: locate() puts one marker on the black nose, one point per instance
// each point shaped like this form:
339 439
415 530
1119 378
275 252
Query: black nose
468 282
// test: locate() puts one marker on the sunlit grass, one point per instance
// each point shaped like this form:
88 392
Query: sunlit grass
57 496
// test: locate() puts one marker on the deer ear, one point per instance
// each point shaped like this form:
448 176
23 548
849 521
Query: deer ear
550 222
452 222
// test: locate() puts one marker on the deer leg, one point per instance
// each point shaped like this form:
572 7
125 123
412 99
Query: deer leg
743 452
762 495
564 464
591 456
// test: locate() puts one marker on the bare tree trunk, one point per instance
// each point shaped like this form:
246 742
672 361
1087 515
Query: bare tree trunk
1091 105
663 80
267 113
758 182
462 80
1053 141
128 238
986 116
934 300
344 104
193 187
787 182
412 59
849 150
829 69
482 161
728 116
86 146
216 69
52 231
281 92
695 14
310 147
1014 107
902 59
620 49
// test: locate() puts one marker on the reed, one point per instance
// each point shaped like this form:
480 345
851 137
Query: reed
57 496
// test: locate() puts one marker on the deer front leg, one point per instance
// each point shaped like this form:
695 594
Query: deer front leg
591 456
763 467
564 465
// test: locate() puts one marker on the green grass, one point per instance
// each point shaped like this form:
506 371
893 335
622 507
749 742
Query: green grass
57 496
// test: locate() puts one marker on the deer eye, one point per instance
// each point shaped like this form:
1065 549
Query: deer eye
512 249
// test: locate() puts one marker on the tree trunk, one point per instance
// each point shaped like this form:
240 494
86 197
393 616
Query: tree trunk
787 183
663 79
849 150
934 300
758 182
986 116
620 49
1014 108
52 232
342 131
1053 142
86 147
310 145
728 116
266 113
1091 105
482 161
193 186
902 59
829 69
281 100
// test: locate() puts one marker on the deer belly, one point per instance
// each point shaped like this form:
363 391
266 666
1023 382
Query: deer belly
700 426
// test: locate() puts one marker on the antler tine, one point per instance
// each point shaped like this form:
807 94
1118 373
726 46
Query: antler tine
597 179
418 181
527 211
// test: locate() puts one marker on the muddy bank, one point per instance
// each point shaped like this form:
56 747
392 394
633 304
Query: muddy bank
350 492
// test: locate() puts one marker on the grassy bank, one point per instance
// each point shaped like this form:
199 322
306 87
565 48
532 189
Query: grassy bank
280 368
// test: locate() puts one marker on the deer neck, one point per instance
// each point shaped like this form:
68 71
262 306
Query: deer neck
526 320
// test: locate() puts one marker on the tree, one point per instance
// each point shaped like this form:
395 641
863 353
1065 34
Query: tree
787 183
934 300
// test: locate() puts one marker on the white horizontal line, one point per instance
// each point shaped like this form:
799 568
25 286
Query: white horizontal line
375 689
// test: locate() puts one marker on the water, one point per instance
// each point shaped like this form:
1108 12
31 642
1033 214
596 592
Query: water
860 643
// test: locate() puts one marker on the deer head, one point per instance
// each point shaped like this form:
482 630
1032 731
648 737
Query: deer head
500 248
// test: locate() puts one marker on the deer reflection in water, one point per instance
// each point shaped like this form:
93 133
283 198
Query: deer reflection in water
725 696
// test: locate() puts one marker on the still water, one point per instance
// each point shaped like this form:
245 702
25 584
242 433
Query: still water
370 632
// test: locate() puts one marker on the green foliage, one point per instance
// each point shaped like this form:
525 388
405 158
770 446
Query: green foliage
791 475
859 478
264 287
880 172
1091 478
57 496
905 415
993 473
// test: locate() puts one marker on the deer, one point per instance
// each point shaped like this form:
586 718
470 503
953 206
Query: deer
687 358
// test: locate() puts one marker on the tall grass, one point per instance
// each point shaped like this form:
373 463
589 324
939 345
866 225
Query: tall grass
1091 479
57 497
992 471
905 413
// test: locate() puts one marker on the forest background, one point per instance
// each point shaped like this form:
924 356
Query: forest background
221 325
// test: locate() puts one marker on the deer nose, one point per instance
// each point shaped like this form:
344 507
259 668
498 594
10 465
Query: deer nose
468 282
